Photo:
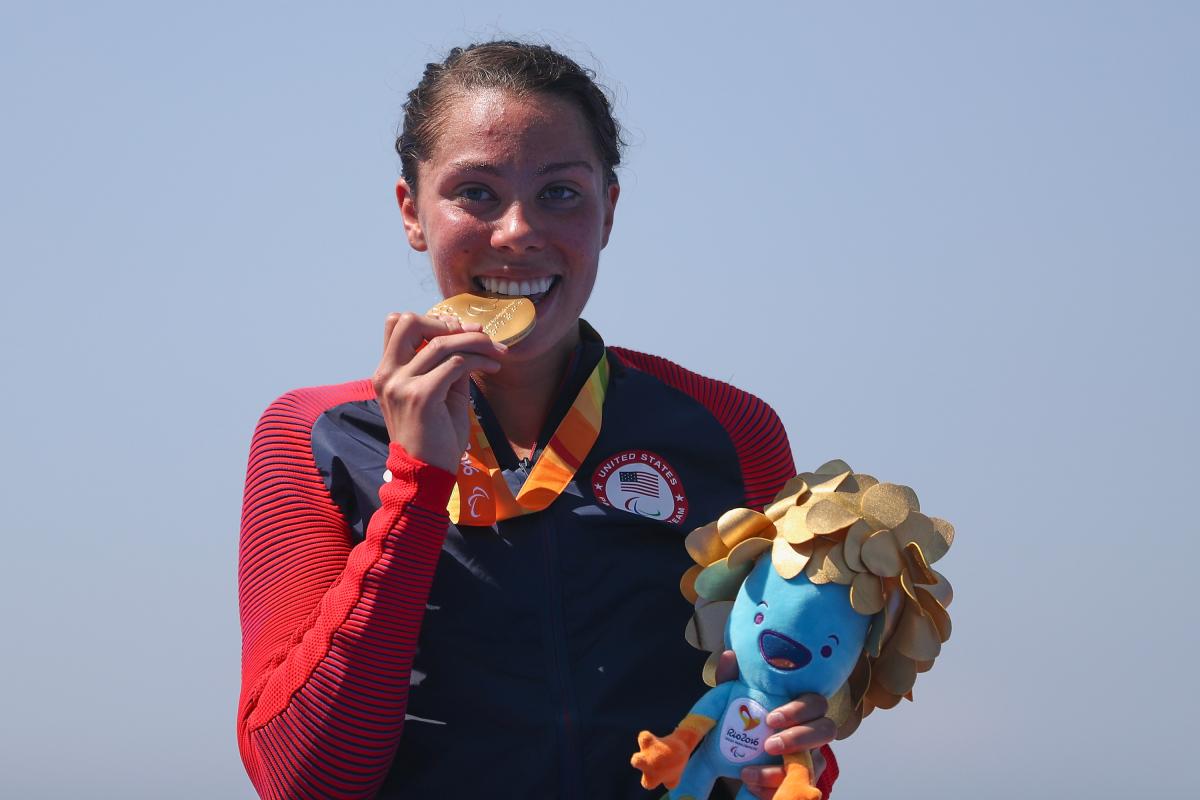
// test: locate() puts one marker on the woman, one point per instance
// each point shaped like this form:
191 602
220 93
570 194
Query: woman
404 639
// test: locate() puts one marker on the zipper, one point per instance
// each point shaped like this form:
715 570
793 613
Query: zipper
560 673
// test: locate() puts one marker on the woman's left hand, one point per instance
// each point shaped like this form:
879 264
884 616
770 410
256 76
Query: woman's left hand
801 725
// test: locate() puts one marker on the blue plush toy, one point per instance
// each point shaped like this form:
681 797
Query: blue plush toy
832 593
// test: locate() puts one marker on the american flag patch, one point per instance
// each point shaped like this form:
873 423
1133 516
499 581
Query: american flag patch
643 483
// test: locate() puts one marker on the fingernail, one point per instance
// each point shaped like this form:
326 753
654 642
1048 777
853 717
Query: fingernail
501 346
774 745
775 719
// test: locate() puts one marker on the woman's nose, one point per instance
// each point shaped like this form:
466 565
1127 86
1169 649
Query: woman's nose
516 231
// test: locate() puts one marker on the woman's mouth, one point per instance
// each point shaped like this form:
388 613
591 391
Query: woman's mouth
533 288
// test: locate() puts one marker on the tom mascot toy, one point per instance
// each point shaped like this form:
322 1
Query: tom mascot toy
829 590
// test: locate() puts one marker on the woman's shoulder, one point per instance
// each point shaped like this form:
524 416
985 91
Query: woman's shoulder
754 429
300 408
711 392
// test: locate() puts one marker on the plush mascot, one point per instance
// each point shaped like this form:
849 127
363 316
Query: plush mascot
829 590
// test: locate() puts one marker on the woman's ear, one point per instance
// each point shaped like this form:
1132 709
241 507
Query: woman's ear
612 192
407 199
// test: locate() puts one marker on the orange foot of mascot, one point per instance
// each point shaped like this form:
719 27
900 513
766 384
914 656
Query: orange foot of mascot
798 779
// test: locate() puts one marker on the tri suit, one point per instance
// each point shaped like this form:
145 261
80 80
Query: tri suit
389 653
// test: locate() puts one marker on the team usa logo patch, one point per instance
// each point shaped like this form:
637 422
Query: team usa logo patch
642 483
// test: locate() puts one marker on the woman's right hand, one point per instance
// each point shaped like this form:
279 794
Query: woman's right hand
424 391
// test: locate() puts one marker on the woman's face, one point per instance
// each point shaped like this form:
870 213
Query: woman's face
513 199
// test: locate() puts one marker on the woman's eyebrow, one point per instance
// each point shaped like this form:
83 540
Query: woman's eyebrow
557 166
475 166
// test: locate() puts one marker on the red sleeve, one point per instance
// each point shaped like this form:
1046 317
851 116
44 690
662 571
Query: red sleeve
830 773
329 628
758 437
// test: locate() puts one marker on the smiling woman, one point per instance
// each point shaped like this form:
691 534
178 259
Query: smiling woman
459 578
514 199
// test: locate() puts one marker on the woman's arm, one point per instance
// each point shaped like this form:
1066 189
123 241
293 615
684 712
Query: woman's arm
329 630
765 458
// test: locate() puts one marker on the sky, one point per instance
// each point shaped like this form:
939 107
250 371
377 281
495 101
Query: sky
953 243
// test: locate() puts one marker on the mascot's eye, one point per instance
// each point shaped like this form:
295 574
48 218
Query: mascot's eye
758 618
827 650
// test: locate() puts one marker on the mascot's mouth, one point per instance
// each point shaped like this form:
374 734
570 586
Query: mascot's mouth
781 652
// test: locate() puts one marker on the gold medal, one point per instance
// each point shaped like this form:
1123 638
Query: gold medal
505 319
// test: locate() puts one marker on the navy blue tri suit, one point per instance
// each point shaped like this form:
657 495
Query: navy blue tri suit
548 640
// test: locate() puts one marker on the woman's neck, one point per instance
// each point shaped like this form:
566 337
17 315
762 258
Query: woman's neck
522 393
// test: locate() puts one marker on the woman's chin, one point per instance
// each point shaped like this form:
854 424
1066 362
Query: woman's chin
542 343
555 330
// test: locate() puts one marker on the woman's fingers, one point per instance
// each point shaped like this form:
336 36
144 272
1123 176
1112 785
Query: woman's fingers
801 737
389 325
415 393
422 383
803 723
404 334
442 347
805 708
427 414
439 380
762 781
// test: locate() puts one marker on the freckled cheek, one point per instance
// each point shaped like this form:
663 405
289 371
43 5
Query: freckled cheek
583 247
458 242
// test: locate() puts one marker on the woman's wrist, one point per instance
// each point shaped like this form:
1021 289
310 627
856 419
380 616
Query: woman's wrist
408 479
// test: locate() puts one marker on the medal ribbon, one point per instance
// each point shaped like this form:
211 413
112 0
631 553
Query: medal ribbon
481 495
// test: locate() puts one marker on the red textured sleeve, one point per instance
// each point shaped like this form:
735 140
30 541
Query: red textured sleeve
329 629
830 774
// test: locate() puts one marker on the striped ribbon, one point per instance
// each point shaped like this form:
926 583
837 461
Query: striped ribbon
481 495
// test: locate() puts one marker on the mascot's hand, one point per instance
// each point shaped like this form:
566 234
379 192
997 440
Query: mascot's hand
662 760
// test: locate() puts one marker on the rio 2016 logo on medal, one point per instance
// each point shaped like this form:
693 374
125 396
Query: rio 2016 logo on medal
642 483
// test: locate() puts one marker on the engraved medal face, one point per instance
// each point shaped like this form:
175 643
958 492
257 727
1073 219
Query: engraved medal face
505 319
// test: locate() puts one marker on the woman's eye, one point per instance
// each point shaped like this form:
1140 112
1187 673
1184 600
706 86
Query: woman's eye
476 194
559 193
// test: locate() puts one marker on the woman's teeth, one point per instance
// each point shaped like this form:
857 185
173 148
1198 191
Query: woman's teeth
533 286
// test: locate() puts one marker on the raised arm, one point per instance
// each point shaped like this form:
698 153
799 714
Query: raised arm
329 630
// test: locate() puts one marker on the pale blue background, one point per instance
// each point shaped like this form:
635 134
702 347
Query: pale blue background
955 244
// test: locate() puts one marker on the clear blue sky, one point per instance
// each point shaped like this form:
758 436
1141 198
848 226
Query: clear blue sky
955 244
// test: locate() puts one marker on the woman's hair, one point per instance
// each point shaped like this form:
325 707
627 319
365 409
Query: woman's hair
513 67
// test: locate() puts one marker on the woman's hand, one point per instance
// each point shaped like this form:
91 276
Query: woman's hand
801 725
423 388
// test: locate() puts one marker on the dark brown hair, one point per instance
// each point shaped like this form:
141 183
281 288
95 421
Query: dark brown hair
511 66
